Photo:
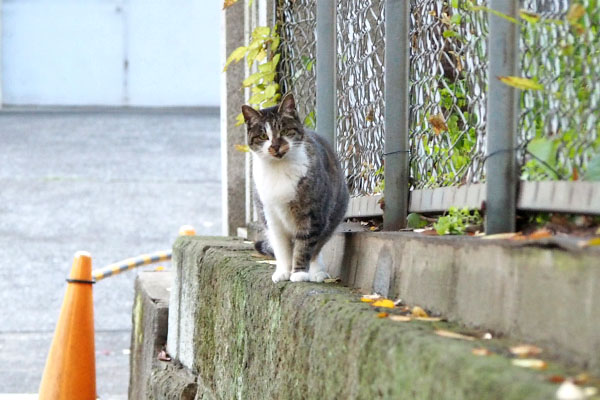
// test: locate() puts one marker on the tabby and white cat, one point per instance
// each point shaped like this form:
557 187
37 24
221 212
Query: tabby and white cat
301 188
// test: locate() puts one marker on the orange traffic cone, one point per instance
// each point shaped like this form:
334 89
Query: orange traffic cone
70 371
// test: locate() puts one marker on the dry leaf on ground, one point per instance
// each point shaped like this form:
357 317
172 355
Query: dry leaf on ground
369 298
428 319
419 312
525 350
481 351
452 335
382 315
400 318
532 363
385 303
272 262
332 280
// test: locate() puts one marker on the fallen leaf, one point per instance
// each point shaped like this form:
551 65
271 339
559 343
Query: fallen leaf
509 235
400 318
569 391
385 303
591 242
481 351
332 280
428 319
539 234
438 122
525 350
532 363
369 298
556 379
370 115
581 379
419 312
242 148
164 356
452 335
382 315
272 262
520 83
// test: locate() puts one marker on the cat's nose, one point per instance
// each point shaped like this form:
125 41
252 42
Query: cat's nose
278 151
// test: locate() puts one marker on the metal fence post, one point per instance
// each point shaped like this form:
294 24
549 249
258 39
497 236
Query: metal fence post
502 120
397 57
326 55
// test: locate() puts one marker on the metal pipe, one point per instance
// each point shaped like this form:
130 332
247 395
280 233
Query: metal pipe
502 120
396 86
326 54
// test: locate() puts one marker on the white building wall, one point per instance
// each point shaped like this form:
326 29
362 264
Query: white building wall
111 52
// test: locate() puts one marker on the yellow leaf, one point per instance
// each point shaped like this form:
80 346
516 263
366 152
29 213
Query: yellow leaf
419 312
369 298
532 363
235 56
331 280
242 148
521 83
453 335
438 122
239 119
382 315
525 350
229 3
529 16
400 318
576 11
385 303
481 351
591 242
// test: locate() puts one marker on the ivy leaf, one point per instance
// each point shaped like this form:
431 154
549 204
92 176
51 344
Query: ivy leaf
414 221
235 56
521 83
576 11
242 148
593 170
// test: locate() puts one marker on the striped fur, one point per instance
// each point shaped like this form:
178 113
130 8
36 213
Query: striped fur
302 194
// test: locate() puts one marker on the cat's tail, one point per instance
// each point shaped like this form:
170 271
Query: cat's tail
264 248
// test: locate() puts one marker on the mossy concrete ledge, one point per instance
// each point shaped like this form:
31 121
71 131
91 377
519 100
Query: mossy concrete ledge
244 337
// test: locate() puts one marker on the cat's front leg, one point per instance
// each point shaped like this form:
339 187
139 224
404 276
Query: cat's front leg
302 253
282 247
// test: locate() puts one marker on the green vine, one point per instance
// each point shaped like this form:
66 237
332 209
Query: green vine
262 53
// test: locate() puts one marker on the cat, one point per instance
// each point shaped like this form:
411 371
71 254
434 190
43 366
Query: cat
302 193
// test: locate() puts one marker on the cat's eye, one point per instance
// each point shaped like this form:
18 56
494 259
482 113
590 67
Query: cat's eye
263 136
290 132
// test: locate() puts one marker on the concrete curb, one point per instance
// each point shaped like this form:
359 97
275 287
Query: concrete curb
244 337
525 290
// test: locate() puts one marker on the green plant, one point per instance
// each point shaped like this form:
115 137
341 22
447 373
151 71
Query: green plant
456 221
262 53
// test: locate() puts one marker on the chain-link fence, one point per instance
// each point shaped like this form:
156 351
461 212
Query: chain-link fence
560 123
360 64
297 21
559 126
448 78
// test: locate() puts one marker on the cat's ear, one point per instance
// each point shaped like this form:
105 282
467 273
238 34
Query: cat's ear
288 105
250 113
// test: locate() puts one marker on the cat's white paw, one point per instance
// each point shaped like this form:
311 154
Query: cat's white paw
300 277
318 276
280 276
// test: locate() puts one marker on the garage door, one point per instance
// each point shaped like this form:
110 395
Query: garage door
110 52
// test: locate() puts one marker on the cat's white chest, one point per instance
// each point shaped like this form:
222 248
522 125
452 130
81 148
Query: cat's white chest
277 180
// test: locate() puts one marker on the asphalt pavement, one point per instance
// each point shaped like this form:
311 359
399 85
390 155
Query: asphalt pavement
114 182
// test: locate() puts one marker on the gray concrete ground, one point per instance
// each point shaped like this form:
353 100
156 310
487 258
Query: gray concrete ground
117 183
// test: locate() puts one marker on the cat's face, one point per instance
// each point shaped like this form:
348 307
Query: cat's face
273 133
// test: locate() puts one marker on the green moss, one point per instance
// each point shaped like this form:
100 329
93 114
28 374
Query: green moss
259 340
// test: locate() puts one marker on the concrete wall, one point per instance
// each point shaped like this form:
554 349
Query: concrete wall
111 52
533 291
235 334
